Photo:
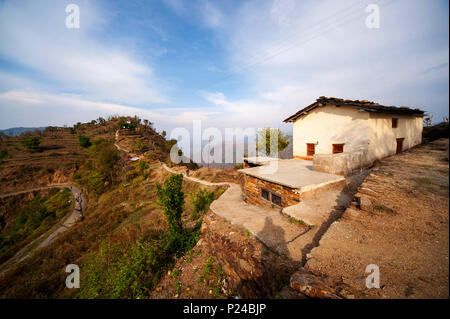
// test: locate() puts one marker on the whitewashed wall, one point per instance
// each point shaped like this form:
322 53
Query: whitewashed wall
330 125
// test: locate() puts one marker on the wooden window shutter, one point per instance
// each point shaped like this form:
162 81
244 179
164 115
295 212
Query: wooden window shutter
338 148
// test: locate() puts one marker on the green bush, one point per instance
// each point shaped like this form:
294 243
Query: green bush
139 145
129 124
84 141
106 156
142 166
3 154
171 198
31 143
93 181
33 219
131 270
201 202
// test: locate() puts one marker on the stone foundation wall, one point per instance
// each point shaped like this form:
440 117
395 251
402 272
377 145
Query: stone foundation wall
342 163
252 271
253 187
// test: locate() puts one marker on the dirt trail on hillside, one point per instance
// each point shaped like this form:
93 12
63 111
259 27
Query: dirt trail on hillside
401 225
48 237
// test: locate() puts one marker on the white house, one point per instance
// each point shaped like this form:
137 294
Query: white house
341 135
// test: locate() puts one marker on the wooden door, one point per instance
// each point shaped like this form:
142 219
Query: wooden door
310 149
399 145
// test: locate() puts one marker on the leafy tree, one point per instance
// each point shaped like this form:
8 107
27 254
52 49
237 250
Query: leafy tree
180 153
31 143
84 141
106 156
164 134
170 143
107 159
428 120
264 138
129 124
171 198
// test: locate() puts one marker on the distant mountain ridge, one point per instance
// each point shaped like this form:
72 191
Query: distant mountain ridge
16 131
287 153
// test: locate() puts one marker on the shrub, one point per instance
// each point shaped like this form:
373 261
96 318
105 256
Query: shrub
31 143
130 270
3 154
142 166
119 271
201 201
171 198
170 143
84 141
106 156
95 183
129 124
33 219
139 145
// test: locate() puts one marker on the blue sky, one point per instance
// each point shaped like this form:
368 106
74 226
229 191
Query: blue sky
227 63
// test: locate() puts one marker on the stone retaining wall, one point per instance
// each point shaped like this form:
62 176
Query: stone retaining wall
252 271
253 187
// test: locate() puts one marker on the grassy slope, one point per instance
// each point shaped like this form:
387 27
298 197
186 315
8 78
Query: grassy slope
28 221
121 218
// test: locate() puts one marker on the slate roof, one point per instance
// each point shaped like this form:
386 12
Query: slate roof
358 104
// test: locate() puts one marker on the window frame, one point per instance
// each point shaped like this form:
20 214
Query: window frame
276 196
336 146
395 122
268 194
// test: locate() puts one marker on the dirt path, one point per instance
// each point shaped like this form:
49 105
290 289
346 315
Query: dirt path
117 145
48 237
401 225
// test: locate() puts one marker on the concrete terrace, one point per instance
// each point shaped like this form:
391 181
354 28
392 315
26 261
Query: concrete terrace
293 173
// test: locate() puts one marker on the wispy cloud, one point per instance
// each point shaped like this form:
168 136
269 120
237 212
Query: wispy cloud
71 108
34 35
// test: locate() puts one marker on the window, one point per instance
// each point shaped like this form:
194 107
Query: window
276 199
338 148
394 123
265 194
310 149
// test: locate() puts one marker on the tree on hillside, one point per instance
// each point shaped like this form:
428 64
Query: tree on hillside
163 134
84 141
428 120
171 198
31 143
263 140
106 157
